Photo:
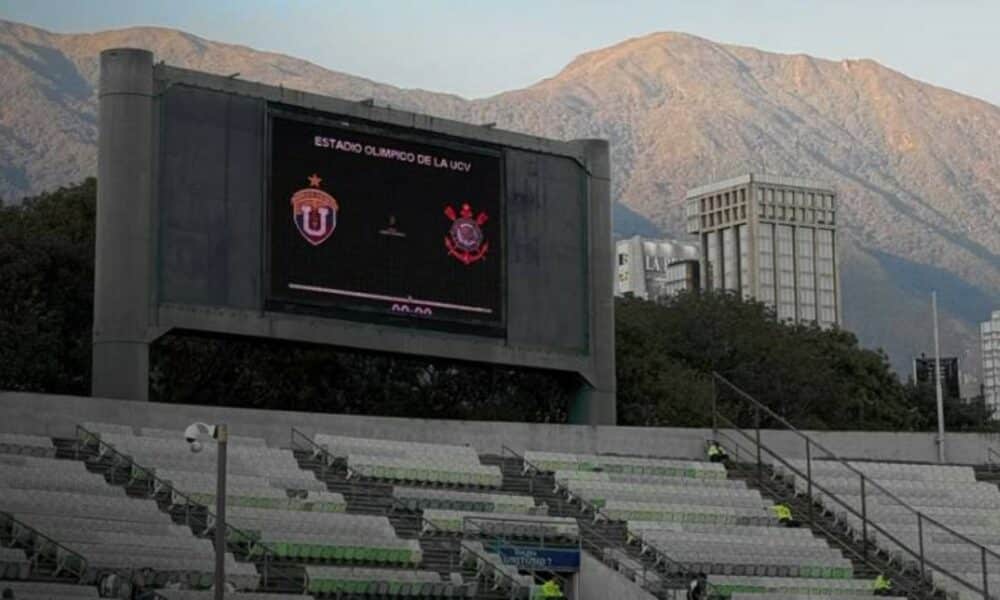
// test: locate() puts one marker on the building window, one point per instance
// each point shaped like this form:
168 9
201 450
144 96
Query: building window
744 239
765 263
785 251
730 268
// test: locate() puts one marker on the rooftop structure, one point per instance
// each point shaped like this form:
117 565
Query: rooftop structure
652 269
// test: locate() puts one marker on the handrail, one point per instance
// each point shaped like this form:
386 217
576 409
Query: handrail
396 504
990 453
269 552
866 480
605 543
596 510
812 521
83 560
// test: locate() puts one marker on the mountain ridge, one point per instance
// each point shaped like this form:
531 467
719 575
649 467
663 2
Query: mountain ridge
917 166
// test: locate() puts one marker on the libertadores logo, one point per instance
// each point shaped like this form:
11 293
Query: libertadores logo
465 240
314 212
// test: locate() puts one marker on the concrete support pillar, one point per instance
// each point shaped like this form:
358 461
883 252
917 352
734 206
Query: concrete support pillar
123 251
595 403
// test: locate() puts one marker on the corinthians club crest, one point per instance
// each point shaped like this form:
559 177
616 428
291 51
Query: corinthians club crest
465 240
314 212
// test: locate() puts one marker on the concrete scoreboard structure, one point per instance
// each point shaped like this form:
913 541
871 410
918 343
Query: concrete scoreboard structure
238 208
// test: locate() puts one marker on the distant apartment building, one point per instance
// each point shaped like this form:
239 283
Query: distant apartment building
989 333
773 239
655 269
949 373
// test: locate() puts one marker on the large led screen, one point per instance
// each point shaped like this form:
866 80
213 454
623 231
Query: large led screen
376 225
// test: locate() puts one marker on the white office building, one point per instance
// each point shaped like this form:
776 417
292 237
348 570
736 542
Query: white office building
773 239
989 333
655 269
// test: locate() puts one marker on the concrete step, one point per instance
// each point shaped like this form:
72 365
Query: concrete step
867 561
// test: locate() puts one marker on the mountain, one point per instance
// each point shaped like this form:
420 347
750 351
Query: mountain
917 167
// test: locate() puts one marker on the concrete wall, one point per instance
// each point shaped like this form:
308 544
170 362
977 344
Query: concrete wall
596 581
57 415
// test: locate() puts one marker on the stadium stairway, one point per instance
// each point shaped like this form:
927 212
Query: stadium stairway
284 578
364 496
868 563
595 536
989 473
371 498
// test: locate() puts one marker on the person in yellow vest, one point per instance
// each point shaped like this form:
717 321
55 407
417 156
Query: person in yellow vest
550 589
784 514
716 453
883 585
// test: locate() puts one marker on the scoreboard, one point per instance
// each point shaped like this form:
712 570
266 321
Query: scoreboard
366 223
234 208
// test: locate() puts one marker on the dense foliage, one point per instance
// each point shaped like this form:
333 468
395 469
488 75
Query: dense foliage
814 378
665 353
46 291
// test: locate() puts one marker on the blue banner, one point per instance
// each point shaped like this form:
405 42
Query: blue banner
541 559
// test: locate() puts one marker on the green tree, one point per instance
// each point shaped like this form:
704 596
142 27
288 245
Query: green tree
813 377
46 291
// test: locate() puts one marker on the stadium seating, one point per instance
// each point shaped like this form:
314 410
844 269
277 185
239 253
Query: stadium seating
210 595
270 499
699 518
948 494
689 509
411 462
494 524
555 461
37 590
416 498
392 582
450 496
33 445
812 588
111 531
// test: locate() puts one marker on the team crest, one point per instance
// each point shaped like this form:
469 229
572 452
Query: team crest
465 240
314 212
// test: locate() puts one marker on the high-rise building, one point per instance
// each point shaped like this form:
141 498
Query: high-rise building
923 374
654 269
989 333
773 239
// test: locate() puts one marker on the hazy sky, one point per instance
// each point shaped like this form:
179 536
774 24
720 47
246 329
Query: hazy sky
480 47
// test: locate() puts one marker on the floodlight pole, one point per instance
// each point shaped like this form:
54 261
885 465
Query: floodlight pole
937 381
222 439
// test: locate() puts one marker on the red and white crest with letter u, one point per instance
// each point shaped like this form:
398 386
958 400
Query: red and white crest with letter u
314 212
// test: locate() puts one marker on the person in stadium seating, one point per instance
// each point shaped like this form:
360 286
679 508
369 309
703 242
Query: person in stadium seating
784 514
883 585
716 453
698 587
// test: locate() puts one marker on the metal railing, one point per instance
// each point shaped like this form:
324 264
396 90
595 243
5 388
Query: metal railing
990 455
78 570
925 524
816 524
155 485
661 557
648 578
303 442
